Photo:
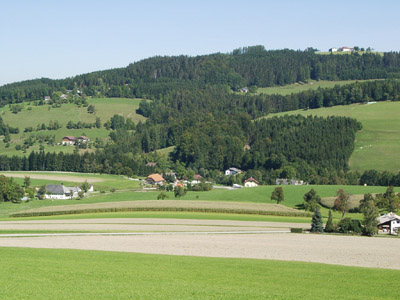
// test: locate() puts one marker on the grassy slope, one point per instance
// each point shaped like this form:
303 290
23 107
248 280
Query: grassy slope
298 88
293 194
377 144
105 109
73 274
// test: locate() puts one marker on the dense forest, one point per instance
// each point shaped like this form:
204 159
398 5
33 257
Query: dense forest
250 66
196 107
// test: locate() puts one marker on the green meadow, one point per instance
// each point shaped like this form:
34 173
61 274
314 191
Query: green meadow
32 115
74 274
302 87
377 145
130 190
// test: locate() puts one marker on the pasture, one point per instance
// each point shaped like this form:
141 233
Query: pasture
75 274
302 87
32 115
377 145
130 190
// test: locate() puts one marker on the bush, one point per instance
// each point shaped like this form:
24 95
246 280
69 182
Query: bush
296 230
348 225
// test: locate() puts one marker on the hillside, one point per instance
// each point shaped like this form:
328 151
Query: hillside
377 145
31 115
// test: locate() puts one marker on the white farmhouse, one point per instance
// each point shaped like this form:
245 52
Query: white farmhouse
251 182
61 192
232 171
389 223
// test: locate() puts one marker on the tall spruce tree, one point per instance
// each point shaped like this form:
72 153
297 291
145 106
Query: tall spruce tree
317 225
370 222
329 224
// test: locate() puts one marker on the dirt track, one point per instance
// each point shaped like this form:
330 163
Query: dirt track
57 176
330 249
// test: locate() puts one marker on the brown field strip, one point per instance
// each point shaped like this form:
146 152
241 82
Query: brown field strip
164 205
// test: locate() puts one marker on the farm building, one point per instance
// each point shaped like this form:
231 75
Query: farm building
251 182
232 171
333 49
285 181
389 223
155 179
68 140
83 139
346 49
61 192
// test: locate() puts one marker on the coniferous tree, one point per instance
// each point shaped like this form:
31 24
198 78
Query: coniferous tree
370 222
329 224
317 225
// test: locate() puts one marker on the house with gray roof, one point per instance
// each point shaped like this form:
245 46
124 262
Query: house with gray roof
61 192
389 223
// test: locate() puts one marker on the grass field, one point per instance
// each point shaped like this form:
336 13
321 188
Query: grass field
377 145
105 109
74 274
301 87
261 194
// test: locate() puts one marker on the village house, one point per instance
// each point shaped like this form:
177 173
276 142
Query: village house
151 164
47 98
389 223
68 140
251 182
346 49
244 90
61 192
333 50
285 181
232 171
155 179
83 139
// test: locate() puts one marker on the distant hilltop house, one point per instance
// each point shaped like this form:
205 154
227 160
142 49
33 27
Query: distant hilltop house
285 181
232 171
71 140
251 182
389 223
343 49
61 192
155 179
244 90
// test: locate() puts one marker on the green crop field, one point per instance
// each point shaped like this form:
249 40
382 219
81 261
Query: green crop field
261 194
377 145
301 87
73 274
105 109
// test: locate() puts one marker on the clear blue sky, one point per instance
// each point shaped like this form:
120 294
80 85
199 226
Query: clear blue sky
62 38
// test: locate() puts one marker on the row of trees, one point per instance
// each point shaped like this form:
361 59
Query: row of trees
156 76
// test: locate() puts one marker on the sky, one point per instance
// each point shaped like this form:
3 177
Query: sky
63 38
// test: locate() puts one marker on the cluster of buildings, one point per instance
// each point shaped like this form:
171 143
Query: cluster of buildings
71 140
342 49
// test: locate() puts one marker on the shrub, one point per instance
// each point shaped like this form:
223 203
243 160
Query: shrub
348 225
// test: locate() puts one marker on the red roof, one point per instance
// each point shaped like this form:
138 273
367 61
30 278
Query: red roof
69 138
251 179
197 177
156 177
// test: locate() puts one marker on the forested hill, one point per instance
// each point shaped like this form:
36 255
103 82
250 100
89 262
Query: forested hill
250 66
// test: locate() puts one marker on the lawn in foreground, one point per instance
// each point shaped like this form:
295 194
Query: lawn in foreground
75 274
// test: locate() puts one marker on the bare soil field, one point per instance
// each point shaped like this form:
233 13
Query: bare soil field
147 225
330 249
54 177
